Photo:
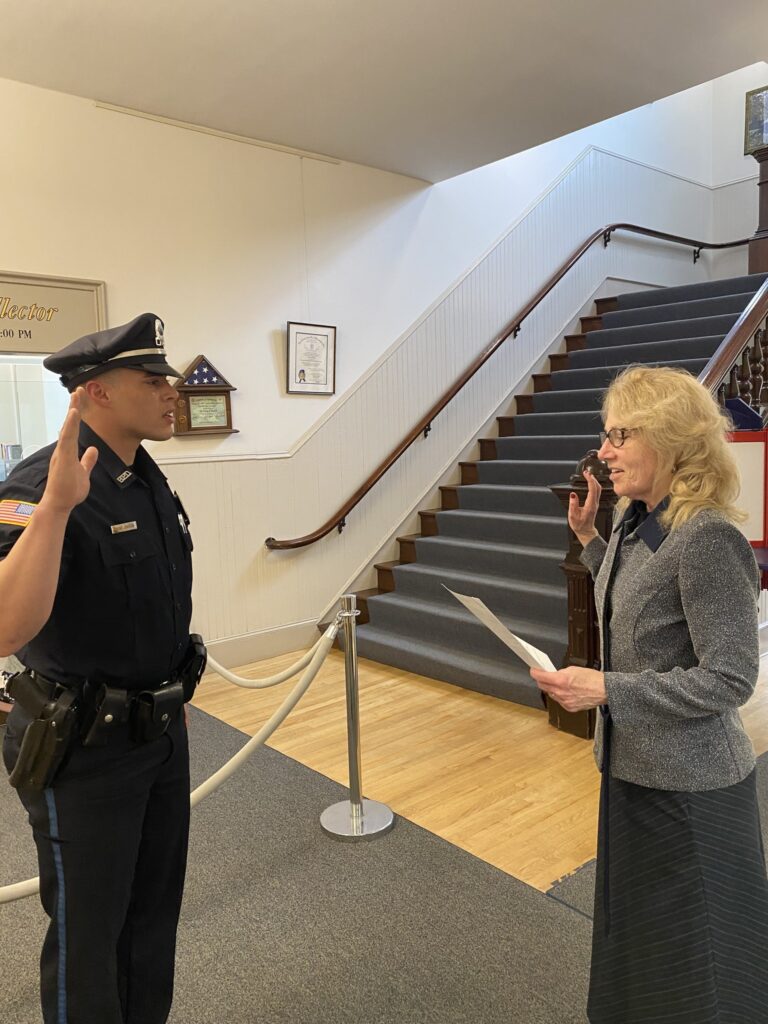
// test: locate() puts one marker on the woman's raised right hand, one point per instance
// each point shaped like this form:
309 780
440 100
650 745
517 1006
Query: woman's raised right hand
581 518
69 476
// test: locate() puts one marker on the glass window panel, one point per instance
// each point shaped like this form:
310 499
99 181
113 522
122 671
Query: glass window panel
32 407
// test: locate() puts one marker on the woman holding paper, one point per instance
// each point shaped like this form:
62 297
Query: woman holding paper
681 901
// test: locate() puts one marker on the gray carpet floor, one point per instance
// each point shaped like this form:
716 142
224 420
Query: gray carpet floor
578 889
282 924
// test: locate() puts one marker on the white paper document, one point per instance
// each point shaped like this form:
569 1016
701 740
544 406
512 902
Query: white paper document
532 656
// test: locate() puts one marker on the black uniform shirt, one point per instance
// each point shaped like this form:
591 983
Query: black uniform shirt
123 604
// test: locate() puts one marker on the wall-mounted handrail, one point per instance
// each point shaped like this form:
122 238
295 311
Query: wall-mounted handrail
736 340
512 329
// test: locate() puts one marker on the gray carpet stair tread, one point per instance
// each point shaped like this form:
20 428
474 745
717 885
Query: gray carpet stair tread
573 400
508 498
454 579
477 547
408 620
662 352
544 598
553 422
491 558
601 376
506 527
537 633
711 306
508 518
499 679
526 471
571 446
685 292
701 327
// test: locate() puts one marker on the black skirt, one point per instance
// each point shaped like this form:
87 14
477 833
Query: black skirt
681 907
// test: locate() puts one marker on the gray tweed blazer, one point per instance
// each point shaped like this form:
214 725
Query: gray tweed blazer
683 654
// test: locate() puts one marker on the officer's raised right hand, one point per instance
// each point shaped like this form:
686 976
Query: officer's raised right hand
581 518
69 476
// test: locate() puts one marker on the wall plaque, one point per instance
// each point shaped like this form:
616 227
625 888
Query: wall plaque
203 405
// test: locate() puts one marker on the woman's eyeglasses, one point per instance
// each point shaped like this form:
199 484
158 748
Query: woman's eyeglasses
617 436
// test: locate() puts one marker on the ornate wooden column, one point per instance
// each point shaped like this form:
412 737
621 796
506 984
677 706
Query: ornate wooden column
583 633
758 243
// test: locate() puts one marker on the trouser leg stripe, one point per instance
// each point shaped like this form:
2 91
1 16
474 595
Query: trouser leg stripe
61 907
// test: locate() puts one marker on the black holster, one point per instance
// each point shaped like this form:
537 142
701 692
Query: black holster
49 736
191 670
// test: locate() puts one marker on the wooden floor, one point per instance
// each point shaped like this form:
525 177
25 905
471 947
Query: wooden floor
489 776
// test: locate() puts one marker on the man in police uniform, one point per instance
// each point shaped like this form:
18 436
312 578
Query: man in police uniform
95 591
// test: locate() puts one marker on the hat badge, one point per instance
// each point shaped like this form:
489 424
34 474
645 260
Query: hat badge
159 329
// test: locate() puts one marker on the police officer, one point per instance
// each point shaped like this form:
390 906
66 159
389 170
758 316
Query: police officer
95 591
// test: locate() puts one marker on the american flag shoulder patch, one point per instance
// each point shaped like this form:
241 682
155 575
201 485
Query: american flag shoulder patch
15 512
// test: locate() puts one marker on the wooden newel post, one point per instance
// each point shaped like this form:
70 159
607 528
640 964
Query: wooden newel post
758 243
583 634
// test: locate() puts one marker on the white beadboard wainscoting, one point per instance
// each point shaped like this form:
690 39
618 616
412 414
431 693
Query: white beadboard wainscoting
251 602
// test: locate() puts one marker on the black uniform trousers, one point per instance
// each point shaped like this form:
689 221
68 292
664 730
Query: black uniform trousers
111 836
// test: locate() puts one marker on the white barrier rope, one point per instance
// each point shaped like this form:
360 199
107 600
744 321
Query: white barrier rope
262 684
293 698
313 658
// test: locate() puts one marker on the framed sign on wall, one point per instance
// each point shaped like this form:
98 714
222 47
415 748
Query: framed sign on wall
40 315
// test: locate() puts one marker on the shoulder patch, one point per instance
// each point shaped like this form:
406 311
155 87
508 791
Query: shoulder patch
15 512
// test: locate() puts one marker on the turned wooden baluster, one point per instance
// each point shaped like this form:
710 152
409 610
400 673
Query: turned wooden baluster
745 378
757 371
762 338
722 394
732 390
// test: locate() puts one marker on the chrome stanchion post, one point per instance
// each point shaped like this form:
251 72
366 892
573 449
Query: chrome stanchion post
355 818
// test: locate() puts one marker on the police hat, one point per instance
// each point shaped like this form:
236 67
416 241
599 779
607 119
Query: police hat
134 346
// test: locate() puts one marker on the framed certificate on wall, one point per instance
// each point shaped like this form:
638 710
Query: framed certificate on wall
311 359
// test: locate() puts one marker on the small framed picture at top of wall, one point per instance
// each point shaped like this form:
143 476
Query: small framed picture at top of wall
311 359
756 121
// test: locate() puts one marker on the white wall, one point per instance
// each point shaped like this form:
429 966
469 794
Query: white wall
228 241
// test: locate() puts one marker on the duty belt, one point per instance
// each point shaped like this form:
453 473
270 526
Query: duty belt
61 714
101 709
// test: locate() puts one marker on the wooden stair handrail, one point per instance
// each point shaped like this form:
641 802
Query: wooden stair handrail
736 340
338 520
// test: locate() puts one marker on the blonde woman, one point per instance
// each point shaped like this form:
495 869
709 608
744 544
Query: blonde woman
681 901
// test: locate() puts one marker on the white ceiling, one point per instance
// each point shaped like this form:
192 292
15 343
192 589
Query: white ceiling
429 88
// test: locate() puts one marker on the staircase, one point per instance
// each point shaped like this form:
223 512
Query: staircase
501 534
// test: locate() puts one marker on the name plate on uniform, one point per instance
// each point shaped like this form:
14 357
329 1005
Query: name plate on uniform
124 527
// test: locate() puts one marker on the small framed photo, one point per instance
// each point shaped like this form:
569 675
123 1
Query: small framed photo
756 121
311 359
